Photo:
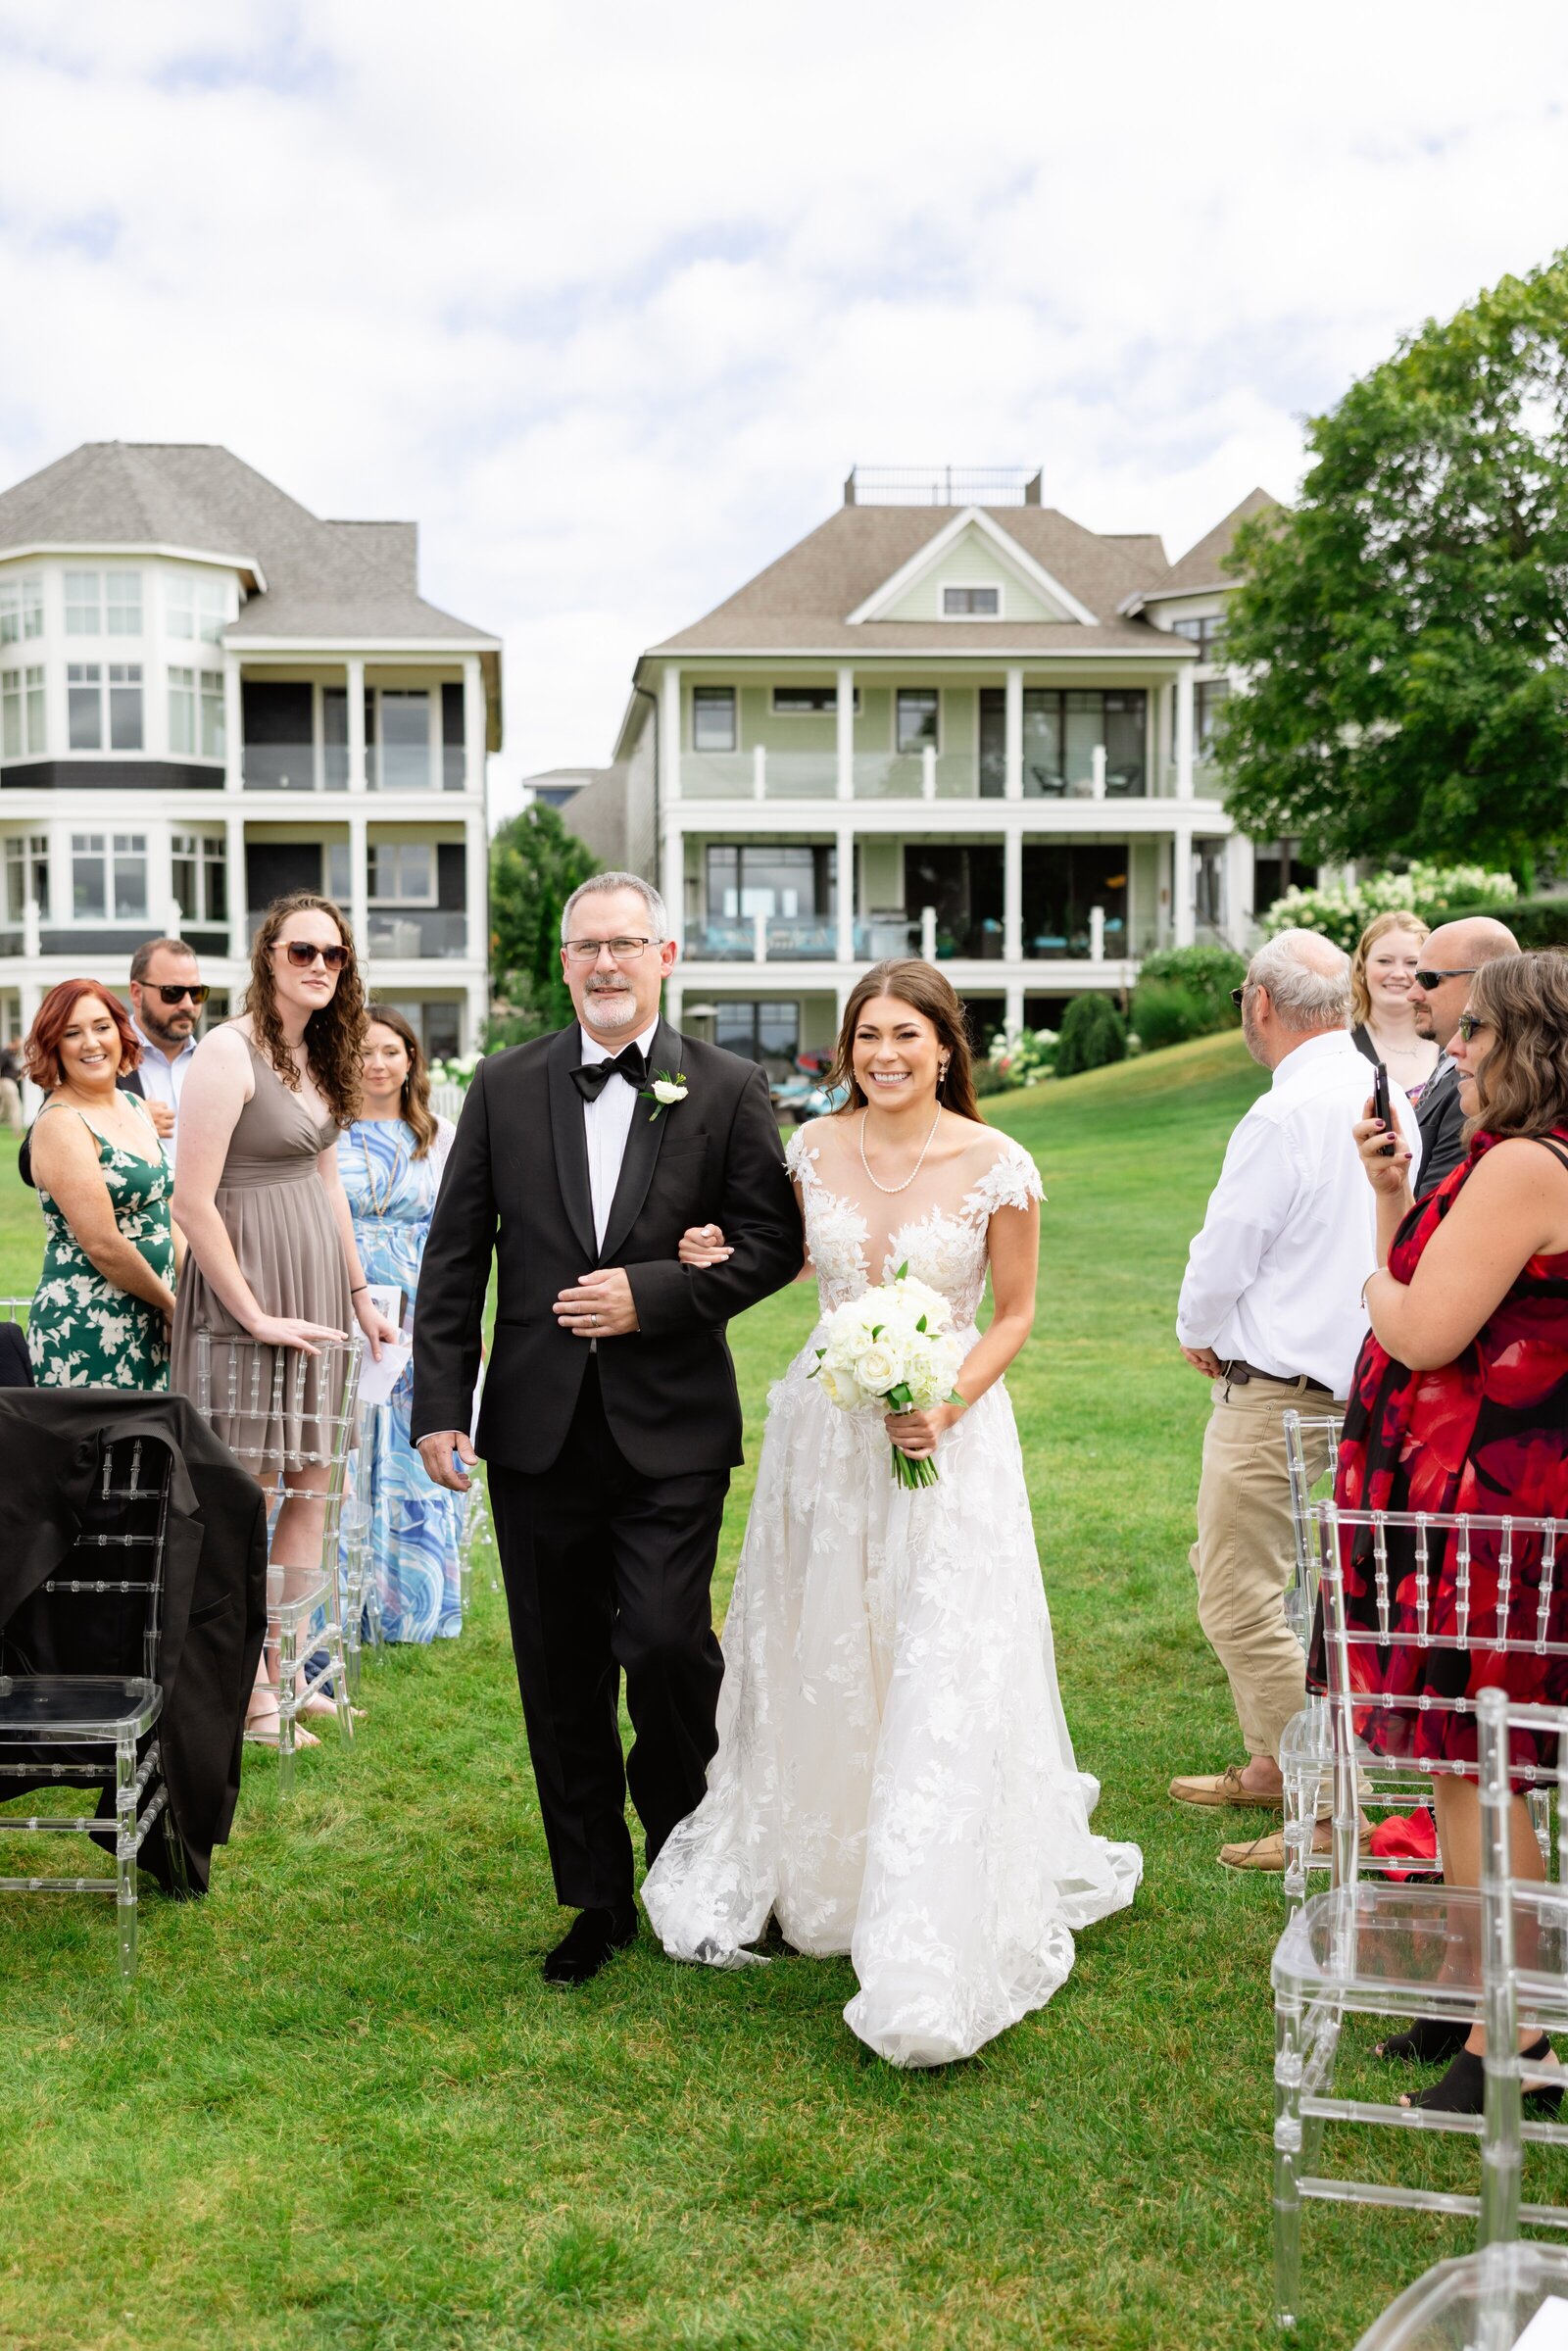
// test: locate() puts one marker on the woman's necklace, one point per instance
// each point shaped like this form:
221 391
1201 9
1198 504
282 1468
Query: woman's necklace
380 1202
1401 1053
914 1170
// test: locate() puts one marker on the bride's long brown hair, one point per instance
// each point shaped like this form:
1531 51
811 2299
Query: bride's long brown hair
924 990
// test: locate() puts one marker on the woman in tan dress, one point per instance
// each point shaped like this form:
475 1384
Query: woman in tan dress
258 1195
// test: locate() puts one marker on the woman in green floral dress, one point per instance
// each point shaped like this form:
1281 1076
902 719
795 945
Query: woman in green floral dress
101 1312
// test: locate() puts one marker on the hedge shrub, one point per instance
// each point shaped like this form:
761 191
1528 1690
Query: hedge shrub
1536 922
1092 1032
1185 992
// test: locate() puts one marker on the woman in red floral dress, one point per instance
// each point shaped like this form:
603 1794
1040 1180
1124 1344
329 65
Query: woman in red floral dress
1460 1403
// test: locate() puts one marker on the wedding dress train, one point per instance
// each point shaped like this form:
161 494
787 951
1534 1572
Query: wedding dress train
895 1776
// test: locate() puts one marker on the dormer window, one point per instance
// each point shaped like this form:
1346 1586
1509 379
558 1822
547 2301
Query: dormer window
972 604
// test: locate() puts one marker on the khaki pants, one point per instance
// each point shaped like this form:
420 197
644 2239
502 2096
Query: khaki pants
1245 1550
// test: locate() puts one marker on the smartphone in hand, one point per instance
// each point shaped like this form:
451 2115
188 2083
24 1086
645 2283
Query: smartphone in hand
1383 1107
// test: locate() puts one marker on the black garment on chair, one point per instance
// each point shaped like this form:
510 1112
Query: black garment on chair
214 1617
130 1082
15 1365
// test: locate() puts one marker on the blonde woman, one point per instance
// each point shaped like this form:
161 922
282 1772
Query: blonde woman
1383 1000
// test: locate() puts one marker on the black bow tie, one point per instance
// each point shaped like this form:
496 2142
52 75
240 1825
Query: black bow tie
594 1076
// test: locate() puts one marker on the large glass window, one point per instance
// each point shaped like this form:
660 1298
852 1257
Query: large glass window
21 609
196 714
1061 732
22 713
401 873
1207 634
712 717
84 604
1208 700
85 705
197 607
757 879
965 886
918 709
405 743
124 706
122 603
109 876
759 1031
1063 883
27 873
200 865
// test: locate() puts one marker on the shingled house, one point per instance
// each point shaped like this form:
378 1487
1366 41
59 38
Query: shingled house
209 696
951 722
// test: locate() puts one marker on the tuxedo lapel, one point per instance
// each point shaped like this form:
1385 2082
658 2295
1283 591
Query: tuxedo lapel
1429 1109
642 1149
569 1141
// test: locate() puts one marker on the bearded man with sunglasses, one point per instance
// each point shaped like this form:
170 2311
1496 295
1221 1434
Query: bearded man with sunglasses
1437 995
166 996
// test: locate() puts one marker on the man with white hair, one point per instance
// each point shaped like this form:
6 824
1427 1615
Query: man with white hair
1271 1311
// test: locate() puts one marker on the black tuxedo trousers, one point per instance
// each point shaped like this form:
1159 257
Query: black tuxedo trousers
607 1463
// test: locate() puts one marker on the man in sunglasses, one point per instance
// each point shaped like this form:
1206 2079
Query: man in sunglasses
1438 996
166 996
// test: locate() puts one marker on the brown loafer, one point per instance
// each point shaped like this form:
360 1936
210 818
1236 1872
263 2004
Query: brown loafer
1267 1852
1223 1788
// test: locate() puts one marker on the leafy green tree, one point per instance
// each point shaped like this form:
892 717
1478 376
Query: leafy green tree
535 865
1092 1032
1405 628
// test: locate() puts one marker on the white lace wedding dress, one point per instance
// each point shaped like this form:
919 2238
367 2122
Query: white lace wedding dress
893 1777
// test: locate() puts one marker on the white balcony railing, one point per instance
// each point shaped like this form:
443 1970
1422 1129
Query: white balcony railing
765 774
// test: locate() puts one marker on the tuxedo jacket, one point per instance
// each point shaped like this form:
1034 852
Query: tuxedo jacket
129 1082
516 1186
1441 1123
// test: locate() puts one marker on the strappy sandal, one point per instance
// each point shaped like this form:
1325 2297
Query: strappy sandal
265 1730
1463 2087
1428 2042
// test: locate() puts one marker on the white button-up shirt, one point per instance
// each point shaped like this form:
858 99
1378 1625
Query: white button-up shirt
163 1080
607 1123
1275 1277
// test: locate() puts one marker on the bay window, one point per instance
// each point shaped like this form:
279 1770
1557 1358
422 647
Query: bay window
198 608
200 874
21 609
196 713
103 706
122 602
109 876
26 874
22 713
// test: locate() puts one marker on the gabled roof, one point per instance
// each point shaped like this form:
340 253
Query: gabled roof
314 580
1202 571
803 601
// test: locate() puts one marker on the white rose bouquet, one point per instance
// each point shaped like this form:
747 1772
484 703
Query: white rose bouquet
892 1351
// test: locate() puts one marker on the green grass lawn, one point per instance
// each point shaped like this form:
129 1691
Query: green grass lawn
342 2110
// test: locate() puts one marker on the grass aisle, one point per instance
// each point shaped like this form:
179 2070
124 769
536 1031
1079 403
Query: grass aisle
342 2109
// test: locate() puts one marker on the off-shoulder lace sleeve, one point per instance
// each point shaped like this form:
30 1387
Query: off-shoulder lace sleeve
1012 1181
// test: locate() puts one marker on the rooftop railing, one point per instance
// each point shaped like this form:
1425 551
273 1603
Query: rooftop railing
942 486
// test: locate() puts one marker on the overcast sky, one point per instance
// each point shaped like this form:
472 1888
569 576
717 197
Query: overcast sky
610 298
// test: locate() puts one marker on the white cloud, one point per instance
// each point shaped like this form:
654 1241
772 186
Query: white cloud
611 301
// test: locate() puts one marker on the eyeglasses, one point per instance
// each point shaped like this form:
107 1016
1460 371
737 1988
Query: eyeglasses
1468 1022
178 995
1431 979
302 955
624 950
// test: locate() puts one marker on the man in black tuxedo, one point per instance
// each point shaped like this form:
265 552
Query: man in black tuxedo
1449 959
611 1419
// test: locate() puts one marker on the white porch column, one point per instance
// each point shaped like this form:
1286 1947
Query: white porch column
1180 886
1012 894
1012 761
844 734
359 885
669 744
1238 889
474 726
928 933
355 670
844 865
239 913
478 1013
233 726
1097 934
1012 1010
1184 731
476 889
672 877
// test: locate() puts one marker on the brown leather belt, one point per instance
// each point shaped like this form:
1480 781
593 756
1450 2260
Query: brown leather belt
1240 1373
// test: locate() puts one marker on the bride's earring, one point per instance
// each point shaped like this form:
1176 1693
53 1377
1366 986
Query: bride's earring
942 1077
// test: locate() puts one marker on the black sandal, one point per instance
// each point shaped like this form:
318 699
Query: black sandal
1463 2087
1428 2042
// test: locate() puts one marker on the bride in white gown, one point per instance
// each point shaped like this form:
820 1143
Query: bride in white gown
895 1776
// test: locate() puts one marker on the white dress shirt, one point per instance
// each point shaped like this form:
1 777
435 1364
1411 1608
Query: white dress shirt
1275 1277
607 1123
163 1080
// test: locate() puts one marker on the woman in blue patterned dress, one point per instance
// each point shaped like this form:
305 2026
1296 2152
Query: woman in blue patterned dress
100 1316
391 1160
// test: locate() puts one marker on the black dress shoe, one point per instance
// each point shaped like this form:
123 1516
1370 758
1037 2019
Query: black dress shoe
590 1944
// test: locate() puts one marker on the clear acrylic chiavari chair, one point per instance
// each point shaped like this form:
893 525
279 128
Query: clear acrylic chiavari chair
1373 1947
91 1729
290 1419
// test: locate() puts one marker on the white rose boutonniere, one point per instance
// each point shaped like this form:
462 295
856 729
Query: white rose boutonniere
664 1090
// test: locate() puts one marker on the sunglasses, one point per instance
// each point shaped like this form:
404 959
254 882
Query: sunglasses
1237 996
178 995
1434 979
302 955
1467 1024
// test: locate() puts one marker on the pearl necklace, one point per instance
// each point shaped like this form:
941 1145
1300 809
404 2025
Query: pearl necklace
891 1189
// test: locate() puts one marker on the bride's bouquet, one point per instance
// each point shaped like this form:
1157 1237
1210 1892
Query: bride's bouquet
891 1352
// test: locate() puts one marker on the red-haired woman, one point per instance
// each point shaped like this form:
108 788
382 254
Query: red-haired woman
101 1314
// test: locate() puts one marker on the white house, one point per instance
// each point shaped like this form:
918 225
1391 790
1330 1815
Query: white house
209 696
950 721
